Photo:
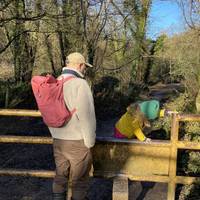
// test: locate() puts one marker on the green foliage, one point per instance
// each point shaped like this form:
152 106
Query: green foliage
19 95
183 53
193 166
192 131
181 104
160 125
190 192
110 100
159 45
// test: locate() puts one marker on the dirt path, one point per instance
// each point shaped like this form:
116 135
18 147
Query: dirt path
19 188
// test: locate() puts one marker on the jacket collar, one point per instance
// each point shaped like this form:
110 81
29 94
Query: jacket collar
64 68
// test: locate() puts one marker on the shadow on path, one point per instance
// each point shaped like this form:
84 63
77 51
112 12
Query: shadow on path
146 186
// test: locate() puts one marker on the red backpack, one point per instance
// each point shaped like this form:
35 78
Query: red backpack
48 92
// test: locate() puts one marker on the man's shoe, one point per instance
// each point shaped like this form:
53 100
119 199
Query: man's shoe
59 196
86 198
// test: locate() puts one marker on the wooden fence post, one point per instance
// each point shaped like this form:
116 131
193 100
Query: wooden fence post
120 188
173 158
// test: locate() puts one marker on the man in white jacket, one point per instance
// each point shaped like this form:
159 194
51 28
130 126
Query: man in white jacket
73 141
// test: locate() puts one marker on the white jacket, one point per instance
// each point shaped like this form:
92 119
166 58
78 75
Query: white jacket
82 125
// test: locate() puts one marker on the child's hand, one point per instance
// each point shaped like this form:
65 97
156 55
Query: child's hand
147 140
147 124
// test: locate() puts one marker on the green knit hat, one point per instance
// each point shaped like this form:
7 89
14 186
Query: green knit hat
150 109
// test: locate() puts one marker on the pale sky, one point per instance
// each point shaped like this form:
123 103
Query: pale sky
165 17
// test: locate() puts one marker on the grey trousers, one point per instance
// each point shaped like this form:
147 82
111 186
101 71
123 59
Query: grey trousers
73 163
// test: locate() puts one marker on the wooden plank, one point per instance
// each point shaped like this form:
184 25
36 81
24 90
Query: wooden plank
189 117
31 173
156 143
173 158
153 178
187 180
20 112
120 188
101 140
36 113
171 190
188 145
131 159
26 139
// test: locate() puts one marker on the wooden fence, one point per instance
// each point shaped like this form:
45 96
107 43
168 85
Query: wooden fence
121 157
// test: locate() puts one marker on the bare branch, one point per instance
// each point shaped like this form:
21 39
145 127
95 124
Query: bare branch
122 66
11 40
190 10
5 5
34 18
124 17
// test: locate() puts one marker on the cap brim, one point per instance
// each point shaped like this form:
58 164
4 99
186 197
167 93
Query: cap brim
89 65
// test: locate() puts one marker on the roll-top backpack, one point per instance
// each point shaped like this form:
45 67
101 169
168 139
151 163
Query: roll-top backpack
48 92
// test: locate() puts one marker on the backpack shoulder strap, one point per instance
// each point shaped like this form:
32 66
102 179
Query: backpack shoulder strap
69 71
65 80
68 78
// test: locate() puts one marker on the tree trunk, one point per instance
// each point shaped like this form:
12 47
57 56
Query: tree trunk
50 54
140 14
23 46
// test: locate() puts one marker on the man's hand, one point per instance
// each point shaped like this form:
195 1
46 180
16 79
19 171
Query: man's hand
170 112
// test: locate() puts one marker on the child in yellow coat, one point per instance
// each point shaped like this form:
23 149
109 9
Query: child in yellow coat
137 117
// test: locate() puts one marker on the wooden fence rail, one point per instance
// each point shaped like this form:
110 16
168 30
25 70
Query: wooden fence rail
120 157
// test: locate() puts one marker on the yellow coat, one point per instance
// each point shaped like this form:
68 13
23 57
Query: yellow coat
130 127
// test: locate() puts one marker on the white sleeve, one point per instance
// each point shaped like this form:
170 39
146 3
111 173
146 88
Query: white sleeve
86 113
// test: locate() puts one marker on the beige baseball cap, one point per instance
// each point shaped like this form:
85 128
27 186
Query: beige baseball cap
77 58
